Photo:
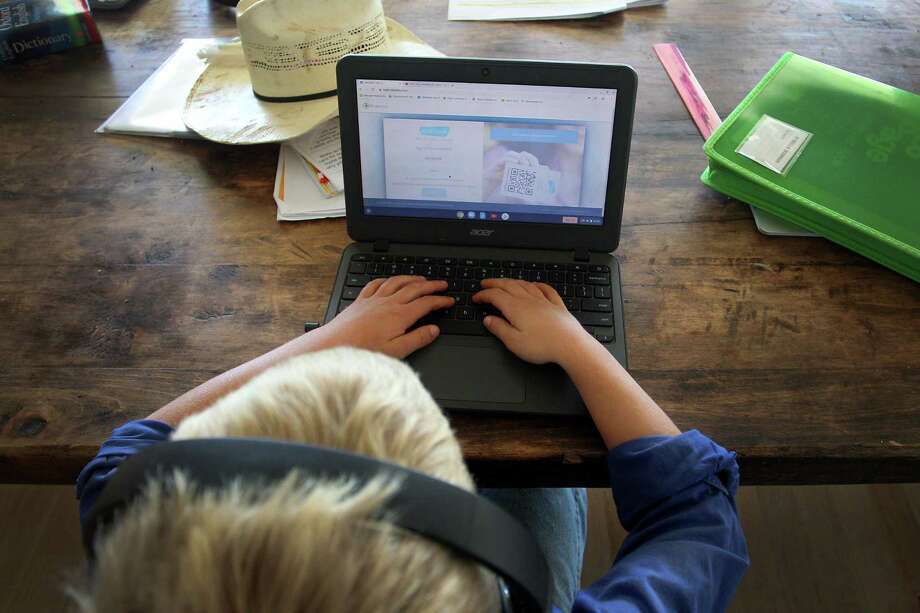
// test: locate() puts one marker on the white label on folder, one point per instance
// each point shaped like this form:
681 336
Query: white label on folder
774 144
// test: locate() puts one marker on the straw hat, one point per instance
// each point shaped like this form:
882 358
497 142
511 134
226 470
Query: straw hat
278 81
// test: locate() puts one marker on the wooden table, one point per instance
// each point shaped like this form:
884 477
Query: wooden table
134 268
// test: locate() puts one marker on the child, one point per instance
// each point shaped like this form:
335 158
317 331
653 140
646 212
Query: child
299 546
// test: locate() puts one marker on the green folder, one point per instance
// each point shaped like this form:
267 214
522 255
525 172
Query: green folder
831 151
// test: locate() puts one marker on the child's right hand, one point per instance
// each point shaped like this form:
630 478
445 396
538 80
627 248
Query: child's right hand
536 325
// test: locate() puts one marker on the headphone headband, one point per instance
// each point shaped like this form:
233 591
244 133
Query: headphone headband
467 523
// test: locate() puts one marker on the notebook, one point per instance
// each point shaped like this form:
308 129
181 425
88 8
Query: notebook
831 151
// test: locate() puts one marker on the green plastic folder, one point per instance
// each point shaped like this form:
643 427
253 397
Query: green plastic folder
831 151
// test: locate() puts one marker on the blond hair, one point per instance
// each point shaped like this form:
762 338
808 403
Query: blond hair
297 545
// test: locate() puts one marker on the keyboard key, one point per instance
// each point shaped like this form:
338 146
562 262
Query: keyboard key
571 304
357 280
469 262
596 278
393 269
555 267
428 270
603 338
454 285
490 263
568 291
480 273
577 267
405 259
488 309
575 278
533 265
587 318
471 287
557 276
448 261
447 272
383 258
343 305
583 291
426 260
459 299
512 264
361 257
436 317
410 269
357 268
598 268
602 291
350 293
466 313
602 306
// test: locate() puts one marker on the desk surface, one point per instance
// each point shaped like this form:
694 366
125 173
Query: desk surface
133 268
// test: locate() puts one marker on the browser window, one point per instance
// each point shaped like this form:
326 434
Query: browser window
491 152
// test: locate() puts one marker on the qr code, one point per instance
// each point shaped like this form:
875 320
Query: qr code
521 181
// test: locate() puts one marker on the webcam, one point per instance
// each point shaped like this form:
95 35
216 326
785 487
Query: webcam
485 72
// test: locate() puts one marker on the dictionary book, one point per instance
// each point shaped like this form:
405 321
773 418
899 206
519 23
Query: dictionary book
31 28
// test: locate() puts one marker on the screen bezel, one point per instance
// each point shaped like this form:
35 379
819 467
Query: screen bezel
361 227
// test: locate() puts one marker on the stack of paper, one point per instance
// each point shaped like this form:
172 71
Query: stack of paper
309 181
524 10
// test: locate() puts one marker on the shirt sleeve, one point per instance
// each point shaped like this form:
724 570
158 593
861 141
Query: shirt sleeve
125 441
685 550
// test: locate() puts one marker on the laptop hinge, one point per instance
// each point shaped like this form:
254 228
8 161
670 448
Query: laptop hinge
582 255
382 245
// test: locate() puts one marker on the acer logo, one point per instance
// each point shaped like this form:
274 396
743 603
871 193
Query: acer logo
481 232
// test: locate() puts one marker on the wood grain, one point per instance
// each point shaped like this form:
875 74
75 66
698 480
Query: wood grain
133 268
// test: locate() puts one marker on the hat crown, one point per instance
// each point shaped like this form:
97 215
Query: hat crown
292 46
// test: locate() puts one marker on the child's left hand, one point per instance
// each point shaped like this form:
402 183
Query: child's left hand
382 313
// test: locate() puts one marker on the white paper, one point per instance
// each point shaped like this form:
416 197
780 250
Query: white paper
155 108
297 196
511 10
322 146
774 144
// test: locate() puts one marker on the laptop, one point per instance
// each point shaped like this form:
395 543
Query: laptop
465 169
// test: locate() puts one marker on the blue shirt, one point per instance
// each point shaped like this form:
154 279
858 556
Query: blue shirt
674 495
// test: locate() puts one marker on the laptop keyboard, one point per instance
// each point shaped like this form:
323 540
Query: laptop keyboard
585 288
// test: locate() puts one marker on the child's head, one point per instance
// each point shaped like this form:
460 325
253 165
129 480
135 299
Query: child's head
297 546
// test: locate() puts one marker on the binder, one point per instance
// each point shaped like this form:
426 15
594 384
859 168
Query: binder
831 151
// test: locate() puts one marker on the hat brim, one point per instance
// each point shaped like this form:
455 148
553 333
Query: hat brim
221 106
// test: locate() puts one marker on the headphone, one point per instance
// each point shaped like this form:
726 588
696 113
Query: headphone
470 525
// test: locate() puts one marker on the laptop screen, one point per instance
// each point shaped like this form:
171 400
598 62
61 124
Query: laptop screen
493 152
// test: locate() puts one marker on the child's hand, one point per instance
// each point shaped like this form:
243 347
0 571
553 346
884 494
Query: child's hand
536 325
382 313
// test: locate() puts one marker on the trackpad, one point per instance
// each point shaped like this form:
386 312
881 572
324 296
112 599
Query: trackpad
479 374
